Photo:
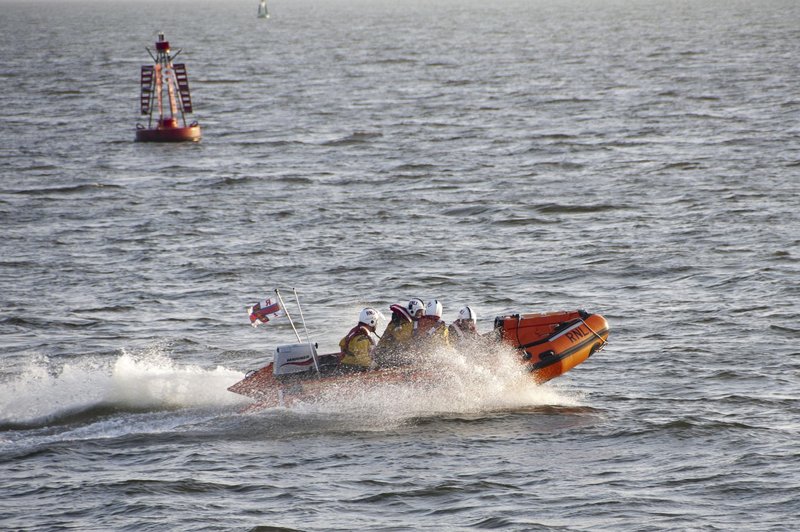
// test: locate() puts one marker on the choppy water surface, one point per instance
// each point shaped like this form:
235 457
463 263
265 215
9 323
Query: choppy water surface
637 159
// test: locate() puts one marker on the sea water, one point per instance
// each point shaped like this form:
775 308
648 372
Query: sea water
636 159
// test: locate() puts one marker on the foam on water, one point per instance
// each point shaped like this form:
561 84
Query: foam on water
471 380
150 380
474 379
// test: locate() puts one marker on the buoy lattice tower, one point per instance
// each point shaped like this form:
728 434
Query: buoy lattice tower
165 94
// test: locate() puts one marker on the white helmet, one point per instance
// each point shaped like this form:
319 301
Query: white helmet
434 308
414 306
467 313
369 316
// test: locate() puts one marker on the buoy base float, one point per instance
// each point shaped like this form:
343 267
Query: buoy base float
190 133
165 94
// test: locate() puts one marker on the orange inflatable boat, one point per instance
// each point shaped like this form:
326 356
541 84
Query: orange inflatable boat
549 345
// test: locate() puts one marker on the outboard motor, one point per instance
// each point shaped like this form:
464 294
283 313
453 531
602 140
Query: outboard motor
293 358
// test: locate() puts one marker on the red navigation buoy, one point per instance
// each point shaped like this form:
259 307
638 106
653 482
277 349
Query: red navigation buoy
161 85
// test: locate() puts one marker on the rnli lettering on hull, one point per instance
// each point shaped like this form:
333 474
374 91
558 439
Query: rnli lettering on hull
573 334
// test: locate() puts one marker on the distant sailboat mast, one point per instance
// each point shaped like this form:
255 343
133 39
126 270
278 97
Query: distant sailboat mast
263 12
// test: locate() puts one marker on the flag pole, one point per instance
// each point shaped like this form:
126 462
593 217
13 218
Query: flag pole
286 310
313 350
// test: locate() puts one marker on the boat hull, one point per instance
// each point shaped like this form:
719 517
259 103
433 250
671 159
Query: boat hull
271 391
169 134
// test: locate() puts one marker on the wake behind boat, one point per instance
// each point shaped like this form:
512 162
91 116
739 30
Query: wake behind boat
546 345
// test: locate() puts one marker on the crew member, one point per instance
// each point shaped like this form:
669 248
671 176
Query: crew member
431 328
397 337
357 346
464 328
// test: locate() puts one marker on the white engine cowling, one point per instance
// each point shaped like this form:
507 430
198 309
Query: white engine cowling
293 358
